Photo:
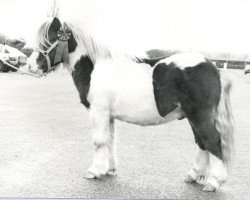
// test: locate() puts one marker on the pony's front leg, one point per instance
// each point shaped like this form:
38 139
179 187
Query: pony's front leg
102 138
112 148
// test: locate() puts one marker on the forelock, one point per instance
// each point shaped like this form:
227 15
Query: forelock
42 37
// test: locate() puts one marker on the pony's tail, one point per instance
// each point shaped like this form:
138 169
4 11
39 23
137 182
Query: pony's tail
224 121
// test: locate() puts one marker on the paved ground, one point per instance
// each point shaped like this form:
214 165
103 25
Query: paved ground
45 147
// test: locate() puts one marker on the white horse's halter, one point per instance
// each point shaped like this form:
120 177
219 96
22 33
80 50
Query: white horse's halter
46 55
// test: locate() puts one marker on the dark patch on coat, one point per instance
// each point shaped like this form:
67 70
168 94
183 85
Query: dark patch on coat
82 76
197 89
197 138
72 44
155 55
52 37
165 88
205 132
151 61
54 28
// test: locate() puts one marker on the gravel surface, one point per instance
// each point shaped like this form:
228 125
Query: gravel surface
45 147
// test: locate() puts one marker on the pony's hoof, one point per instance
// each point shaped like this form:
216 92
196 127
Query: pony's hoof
209 188
201 180
212 184
90 175
189 179
112 173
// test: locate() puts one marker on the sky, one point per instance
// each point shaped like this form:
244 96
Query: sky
192 25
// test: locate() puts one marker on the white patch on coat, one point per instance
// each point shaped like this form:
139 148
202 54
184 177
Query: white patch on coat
32 61
218 172
200 168
201 162
183 60
75 56
127 89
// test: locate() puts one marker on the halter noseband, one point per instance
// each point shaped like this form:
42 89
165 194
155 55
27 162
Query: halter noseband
46 55
62 52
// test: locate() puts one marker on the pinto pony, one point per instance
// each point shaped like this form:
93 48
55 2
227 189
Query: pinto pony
144 92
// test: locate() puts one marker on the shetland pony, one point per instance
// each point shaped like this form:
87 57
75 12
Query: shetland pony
145 92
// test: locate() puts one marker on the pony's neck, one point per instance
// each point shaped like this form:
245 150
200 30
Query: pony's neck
93 53
93 49
89 46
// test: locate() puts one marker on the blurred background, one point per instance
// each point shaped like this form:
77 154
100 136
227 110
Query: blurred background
175 24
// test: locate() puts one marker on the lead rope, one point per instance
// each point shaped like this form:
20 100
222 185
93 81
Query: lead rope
23 73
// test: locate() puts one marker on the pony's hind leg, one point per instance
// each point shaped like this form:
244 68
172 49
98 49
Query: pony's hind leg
103 142
218 173
224 124
199 170
210 137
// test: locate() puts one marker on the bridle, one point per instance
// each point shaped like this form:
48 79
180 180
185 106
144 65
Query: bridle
46 55
62 52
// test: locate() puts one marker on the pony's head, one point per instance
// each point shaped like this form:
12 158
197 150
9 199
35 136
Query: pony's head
55 42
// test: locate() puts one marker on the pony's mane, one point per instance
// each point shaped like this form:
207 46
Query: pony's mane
91 46
43 35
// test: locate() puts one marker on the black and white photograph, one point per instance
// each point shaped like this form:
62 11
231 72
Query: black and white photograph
125 99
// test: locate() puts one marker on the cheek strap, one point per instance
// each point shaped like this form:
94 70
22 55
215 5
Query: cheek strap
48 61
62 52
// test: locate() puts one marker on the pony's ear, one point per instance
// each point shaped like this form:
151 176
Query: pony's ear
55 25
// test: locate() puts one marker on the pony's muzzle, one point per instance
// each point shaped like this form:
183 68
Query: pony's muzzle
35 70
